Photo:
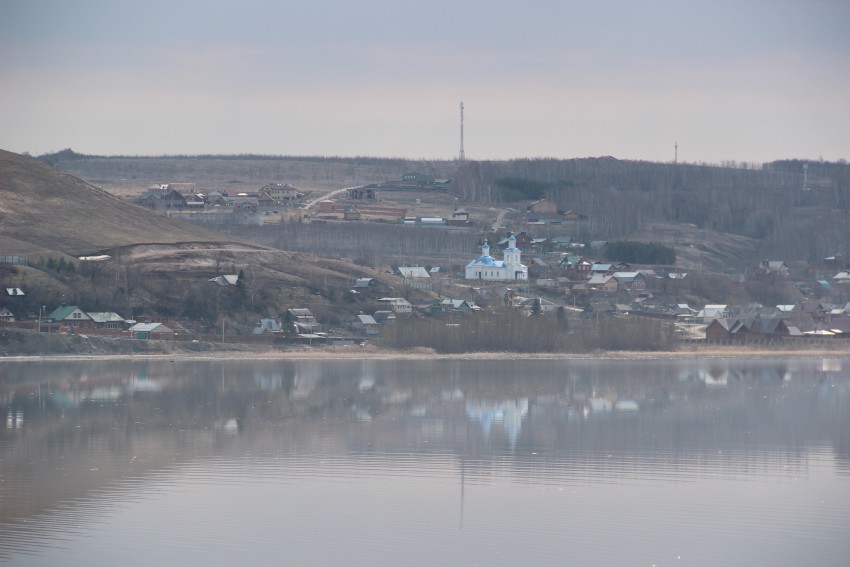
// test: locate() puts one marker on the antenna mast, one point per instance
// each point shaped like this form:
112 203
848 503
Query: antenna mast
461 156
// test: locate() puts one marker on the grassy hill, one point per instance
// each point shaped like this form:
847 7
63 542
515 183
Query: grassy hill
158 266
43 209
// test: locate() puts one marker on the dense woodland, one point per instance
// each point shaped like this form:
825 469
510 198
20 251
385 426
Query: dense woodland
620 198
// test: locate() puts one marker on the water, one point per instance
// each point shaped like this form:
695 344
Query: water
696 462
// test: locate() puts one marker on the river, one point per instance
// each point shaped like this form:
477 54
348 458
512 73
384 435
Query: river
425 462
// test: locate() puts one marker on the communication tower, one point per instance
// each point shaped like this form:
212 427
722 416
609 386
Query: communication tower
461 156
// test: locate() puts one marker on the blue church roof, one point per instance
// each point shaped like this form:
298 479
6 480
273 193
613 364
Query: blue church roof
487 261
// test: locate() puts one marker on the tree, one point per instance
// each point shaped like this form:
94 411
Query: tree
536 307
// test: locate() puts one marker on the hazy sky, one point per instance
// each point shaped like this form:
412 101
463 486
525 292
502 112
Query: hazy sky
744 80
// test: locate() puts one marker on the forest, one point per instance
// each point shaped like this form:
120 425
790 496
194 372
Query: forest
771 202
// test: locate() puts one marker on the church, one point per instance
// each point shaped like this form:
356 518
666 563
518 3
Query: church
487 268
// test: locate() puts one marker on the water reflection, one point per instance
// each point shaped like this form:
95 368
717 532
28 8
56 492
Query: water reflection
80 438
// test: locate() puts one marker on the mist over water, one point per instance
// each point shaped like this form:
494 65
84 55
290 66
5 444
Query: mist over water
433 462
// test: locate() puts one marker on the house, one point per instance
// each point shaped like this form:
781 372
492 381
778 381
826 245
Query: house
153 331
70 315
526 305
367 193
302 320
542 207
725 329
384 317
485 267
458 306
599 268
623 308
413 179
633 281
365 324
772 268
711 312
460 217
841 278
107 320
226 279
561 242
583 269
266 327
413 272
285 195
398 304
365 283
836 261
6 316
602 283
350 212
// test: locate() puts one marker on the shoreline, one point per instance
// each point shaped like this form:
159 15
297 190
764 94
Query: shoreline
341 353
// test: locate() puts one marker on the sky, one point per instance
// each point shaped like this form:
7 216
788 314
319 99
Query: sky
726 80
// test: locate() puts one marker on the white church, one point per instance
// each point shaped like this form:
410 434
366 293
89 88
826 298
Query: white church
487 268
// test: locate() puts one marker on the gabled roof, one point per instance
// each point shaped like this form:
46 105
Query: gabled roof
599 279
267 326
226 279
366 320
150 327
105 317
627 277
413 272
300 312
63 311
363 282
14 291
396 300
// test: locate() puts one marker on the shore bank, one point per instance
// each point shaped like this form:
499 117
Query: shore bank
371 353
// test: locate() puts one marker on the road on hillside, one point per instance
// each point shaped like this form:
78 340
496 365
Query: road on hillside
329 195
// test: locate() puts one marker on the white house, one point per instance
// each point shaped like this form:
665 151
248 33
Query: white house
487 268
398 304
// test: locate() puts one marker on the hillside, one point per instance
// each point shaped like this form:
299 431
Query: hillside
157 265
43 209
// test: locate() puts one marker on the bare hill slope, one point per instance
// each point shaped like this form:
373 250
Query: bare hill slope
43 208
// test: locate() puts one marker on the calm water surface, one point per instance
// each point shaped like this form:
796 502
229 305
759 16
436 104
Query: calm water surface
696 462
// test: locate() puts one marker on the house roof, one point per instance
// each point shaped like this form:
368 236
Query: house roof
413 272
14 291
300 312
396 300
63 311
267 326
150 327
627 277
226 279
366 320
105 317
363 282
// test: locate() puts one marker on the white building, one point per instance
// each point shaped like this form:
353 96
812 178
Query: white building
487 268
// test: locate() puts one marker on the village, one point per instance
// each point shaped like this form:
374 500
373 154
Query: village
552 276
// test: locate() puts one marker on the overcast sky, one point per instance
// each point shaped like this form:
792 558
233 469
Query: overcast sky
743 80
